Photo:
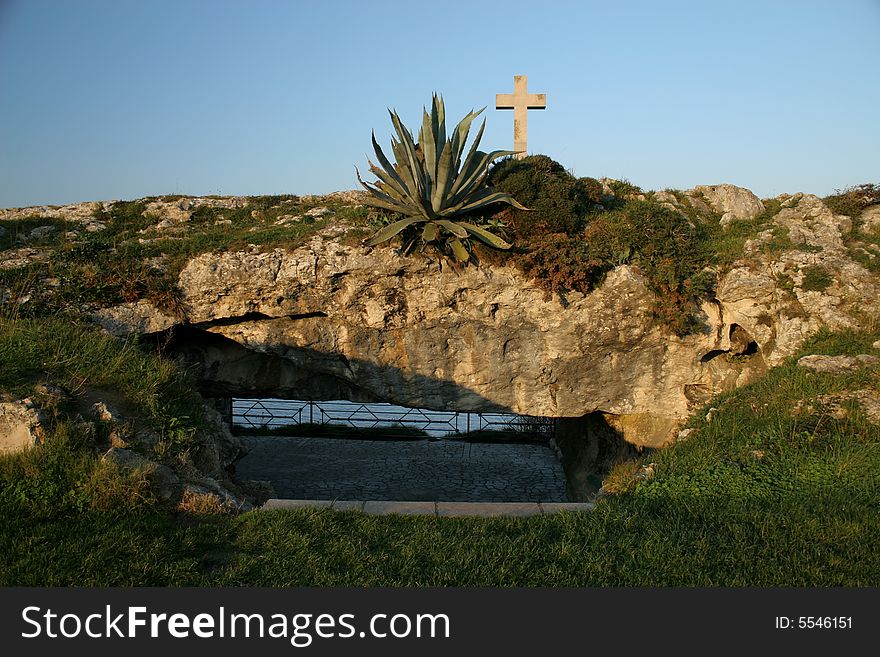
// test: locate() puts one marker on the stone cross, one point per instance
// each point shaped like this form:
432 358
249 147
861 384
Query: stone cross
520 101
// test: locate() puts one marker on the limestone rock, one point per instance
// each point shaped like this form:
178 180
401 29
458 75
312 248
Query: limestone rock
15 258
319 212
169 213
218 448
329 320
50 393
105 412
78 212
750 294
734 203
259 490
652 430
812 223
41 232
698 204
647 471
868 400
138 317
870 219
352 197
667 199
224 203
836 364
21 425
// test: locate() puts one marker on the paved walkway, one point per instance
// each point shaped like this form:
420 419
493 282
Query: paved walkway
310 469
441 509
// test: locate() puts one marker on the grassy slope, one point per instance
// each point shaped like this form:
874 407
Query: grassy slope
803 514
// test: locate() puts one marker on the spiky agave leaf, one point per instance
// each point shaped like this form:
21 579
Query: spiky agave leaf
461 254
485 236
429 183
387 232
430 231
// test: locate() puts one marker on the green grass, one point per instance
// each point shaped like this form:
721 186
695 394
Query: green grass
145 388
761 496
816 279
76 357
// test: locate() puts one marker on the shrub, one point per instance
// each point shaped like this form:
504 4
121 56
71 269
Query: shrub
560 263
624 188
852 200
558 201
670 251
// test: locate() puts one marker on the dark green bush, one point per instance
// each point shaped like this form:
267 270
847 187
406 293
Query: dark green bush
624 188
560 263
558 201
670 251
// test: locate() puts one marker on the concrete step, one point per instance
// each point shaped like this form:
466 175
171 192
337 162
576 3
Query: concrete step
445 509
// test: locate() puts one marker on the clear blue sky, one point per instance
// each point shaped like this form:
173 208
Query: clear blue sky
104 99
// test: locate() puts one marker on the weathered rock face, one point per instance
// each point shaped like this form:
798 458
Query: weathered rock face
20 425
330 320
870 219
734 203
769 298
78 213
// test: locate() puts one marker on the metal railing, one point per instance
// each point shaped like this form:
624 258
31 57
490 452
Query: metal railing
276 413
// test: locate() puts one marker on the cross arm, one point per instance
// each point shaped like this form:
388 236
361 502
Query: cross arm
537 101
504 101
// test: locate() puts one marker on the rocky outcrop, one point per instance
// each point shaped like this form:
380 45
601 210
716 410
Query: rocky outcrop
78 213
329 320
21 425
732 202
135 317
870 219
769 295
332 319
204 470
837 364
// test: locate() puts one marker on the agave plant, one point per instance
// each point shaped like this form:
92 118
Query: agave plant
430 185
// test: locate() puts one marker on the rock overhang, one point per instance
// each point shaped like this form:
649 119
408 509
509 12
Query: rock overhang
329 317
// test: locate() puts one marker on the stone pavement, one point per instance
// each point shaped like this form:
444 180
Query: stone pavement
354 470
442 509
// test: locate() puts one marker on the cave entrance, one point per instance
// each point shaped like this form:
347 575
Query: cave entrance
377 451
